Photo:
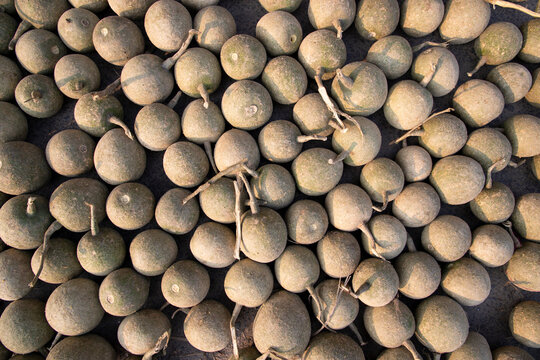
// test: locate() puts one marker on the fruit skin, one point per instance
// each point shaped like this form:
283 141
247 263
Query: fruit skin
346 310
458 179
447 238
132 9
392 54
123 292
195 67
390 236
198 4
417 205
280 33
76 75
185 164
60 262
42 14
499 43
464 20
278 141
419 274
234 146
312 116
246 105
11 75
7 30
70 152
264 235
443 135
217 202
475 347
215 25
23 168
525 217
243 57
23 326
474 111
329 345
313 174
152 252
275 185
206 326
185 284
531 30
201 125
400 353
157 126
390 325
492 246
307 221
494 205
103 253
322 51
375 282
349 207
324 14
75 28
130 206
212 244
421 17
524 323
361 131
415 162
38 96
256 279
39 50
117 39
382 179
446 70
175 217
285 5
523 269
285 79
523 132
467 281
513 79
533 96
86 347
488 146
15 274
92 5
167 24
511 353
376 19
140 332
398 111
297 269
92 113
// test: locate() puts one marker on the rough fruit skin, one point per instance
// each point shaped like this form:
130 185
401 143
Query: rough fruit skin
185 164
327 345
400 353
133 9
152 252
206 326
398 109
311 115
140 332
523 269
280 33
157 126
275 185
7 29
447 238
313 174
307 221
415 162
278 141
216 25
264 235
526 215
93 113
475 347
249 283
201 125
42 14
282 323
511 353
390 325
421 17
419 274
297 269
103 253
488 146
285 79
86 347
478 102
338 253
167 24
531 31
392 54
70 152
348 207
23 168
363 131
196 67
446 70
324 14
441 324
234 146
285 5
73 308
375 282
60 263
185 284
76 75
212 244
523 132
15 274
123 292
382 178
75 28
338 315
38 96
493 205
246 105
458 179
389 234
23 327
417 205
443 135
217 202
117 39
92 5
174 217
499 43
376 19
11 75
492 245
524 323
513 79
243 57
321 51
464 20
467 281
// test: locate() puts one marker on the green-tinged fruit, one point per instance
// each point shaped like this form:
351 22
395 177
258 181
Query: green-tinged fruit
75 28
285 79
246 105
467 281
60 262
458 179
312 116
23 168
366 91
175 217
185 164
280 33
513 79
215 25
217 202
152 252
376 19
200 124
282 325
11 75
38 96
478 102
264 235
206 326
285 5
523 269
234 146
475 347
327 346
166 23
24 220
382 179
337 315
92 5
415 162
349 207
243 57
118 158
322 53
491 245
23 327
249 283
417 205
437 69
313 172
419 274
157 126
408 104
464 20
87 347
338 253
274 185
76 75
375 282
530 51
132 9
523 131
400 353
185 284
297 269
390 325
212 244
493 205
336 15
392 54
39 50
130 206
362 138
278 141
7 30
524 323
102 253
15 274
389 234
489 147
93 113
73 308
198 73
443 135
526 216
307 221
511 353
42 14
123 292
447 238
140 332
70 152
198 4
421 17
117 39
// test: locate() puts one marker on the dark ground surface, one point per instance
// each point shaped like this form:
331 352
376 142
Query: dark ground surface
489 318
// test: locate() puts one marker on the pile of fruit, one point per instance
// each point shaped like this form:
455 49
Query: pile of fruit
273 192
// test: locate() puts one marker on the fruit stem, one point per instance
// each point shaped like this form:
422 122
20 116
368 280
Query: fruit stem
329 103
234 316
340 157
384 203
305 138
410 346
109 90
94 226
417 127
410 243
23 27
356 333
344 79
182 310
430 43
204 94
508 4
238 216
31 206
55 341
161 344
429 76
169 62
230 170
517 164
508 225
371 240
489 171
54 227
481 62
317 302
172 103
339 29
436 356
209 153
116 121
253 204
164 306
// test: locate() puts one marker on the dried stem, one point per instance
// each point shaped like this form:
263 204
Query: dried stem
356 333
481 62
410 243
384 203
210 154
436 356
169 62
371 240
305 138
326 98
109 90
410 346
161 344
182 310
55 341
344 79
204 94
235 313
431 43
164 306
31 206
489 171
517 164
254 206
508 4
317 301
172 103
54 227
23 27
508 225
94 226
412 131
238 216
340 157
339 29
116 121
